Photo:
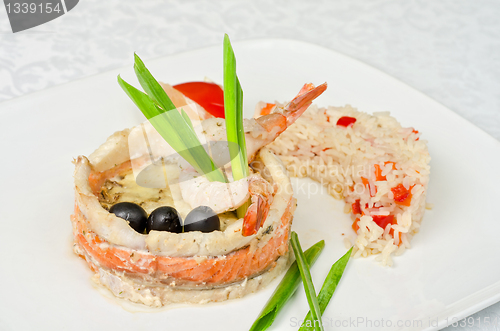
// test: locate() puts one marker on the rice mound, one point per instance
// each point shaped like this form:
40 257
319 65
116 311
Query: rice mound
366 161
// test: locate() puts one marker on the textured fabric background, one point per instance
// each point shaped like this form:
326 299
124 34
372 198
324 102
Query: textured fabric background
448 49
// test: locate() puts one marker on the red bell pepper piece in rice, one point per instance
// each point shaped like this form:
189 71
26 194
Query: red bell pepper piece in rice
355 225
393 164
366 183
383 220
402 196
380 220
356 207
378 173
345 121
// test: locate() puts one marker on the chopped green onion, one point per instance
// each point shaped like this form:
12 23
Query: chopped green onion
176 128
305 273
285 289
328 288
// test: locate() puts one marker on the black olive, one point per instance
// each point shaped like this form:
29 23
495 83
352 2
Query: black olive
203 219
164 219
134 214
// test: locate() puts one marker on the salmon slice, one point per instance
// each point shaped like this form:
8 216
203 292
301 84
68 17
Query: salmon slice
224 269
234 271
222 272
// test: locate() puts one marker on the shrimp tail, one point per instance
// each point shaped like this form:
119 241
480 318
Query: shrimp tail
255 216
281 118
270 126
302 101
261 193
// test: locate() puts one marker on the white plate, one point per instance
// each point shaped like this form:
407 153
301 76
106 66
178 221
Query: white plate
451 271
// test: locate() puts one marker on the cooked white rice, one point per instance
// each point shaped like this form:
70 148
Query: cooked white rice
338 157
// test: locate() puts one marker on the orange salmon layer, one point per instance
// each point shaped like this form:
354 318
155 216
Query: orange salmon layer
234 267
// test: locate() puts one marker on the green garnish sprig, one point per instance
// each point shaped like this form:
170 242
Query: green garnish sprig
233 111
285 289
174 126
305 273
329 286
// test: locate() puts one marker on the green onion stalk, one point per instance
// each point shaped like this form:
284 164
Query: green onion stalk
233 110
328 288
177 129
305 273
174 126
285 289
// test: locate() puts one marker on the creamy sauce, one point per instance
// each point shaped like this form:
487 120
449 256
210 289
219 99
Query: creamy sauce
123 188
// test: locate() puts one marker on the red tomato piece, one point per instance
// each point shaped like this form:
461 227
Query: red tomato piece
346 121
402 196
208 95
356 208
382 221
378 173
393 165
355 225
366 183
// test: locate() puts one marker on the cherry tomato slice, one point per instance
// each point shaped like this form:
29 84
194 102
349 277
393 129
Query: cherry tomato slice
208 95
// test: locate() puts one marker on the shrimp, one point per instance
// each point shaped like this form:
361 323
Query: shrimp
224 264
221 197
258 133
261 193
196 190
265 129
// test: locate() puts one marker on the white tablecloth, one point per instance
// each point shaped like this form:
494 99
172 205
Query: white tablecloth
449 50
